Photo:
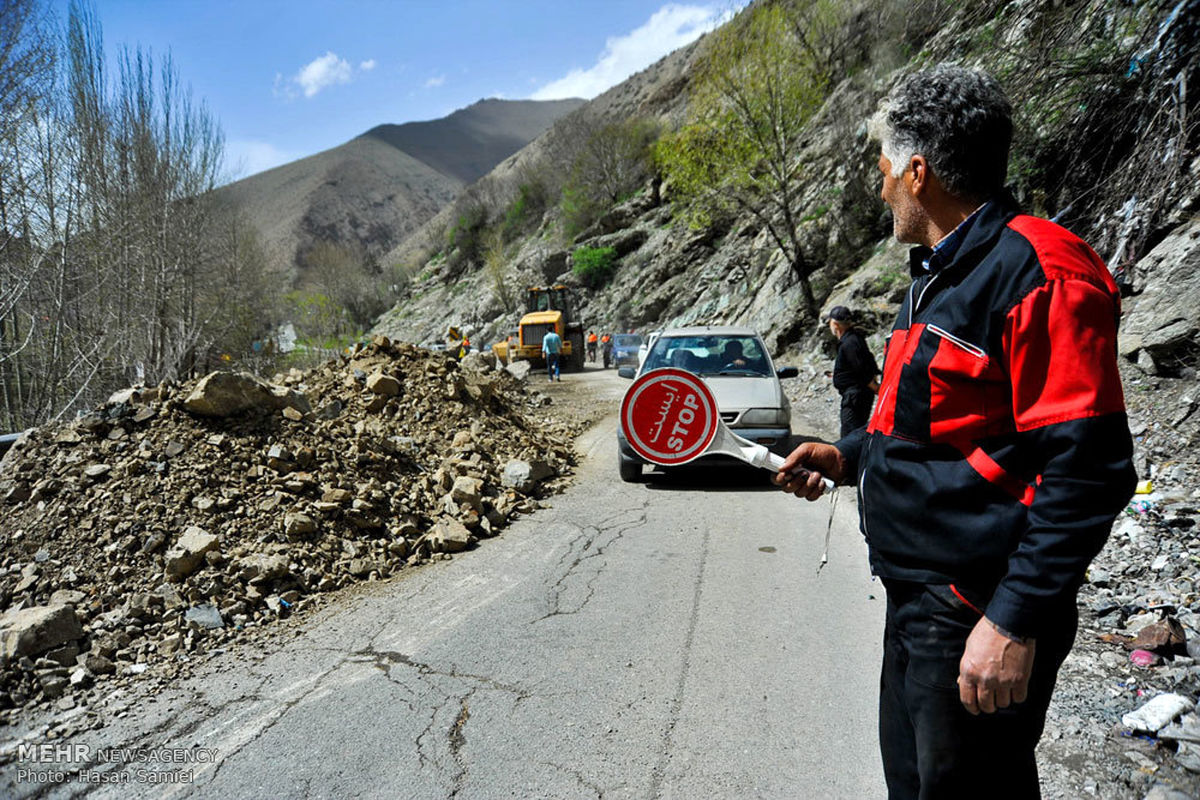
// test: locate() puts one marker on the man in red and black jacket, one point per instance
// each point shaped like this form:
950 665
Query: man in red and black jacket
998 453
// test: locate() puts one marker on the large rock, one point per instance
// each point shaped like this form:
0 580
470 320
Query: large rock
519 369
182 559
30 631
296 525
1161 325
467 490
383 384
260 567
223 394
449 536
624 242
524 475
478 361
204 616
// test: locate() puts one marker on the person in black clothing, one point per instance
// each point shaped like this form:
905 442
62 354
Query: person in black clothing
998 452
854 371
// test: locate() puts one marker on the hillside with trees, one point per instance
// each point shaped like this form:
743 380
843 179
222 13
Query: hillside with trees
736 183
116 267
125 260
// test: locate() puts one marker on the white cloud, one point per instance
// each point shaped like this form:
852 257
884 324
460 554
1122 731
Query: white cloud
248 157
323 72
669 28
367 65
435 81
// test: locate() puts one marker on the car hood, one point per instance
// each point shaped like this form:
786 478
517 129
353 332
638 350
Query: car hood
736 393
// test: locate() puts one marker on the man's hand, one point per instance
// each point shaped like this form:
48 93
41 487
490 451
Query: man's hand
994 670
803 469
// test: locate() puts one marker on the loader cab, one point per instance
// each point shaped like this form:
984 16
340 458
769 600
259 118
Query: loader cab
553 298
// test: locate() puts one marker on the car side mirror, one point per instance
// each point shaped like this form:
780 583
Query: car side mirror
787 372
627 372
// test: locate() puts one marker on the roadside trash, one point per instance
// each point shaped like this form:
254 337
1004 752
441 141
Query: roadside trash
1186 730
1143 658
1144 487
1139 507
1158 713
1164 636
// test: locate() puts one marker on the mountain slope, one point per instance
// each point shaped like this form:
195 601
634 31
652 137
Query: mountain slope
373 191
467 144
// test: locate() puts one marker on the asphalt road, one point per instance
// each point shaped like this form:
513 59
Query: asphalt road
671 639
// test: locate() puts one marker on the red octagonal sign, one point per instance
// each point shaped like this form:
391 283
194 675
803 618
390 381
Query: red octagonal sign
669 416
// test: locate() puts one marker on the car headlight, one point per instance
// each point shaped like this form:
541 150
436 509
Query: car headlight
774 417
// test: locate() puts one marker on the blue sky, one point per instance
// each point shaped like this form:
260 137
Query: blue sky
288 79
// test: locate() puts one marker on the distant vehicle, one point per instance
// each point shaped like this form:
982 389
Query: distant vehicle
644 348
550 308
735 365
625 349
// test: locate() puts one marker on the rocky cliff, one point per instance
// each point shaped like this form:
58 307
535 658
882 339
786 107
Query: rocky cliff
1106 143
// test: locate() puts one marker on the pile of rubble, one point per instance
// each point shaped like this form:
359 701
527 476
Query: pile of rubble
175 517
1135 672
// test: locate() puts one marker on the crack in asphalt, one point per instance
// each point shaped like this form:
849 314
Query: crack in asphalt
458 739
579 778
594 545
278 714
381 658
656 778
428 755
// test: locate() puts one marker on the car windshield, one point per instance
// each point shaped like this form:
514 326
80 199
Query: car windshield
627 340
720 354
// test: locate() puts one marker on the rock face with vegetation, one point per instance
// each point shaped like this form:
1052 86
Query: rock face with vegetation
1104 144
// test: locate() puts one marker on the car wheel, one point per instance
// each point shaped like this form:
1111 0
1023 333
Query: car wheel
631 471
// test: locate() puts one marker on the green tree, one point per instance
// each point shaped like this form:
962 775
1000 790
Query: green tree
594 265
756 89
346 278
495 261
613 160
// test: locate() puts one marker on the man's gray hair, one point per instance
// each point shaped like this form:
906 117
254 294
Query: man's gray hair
958 118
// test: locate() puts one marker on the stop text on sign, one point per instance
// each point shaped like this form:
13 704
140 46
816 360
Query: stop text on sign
669 416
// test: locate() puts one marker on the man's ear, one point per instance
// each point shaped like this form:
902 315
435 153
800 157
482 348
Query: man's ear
919 168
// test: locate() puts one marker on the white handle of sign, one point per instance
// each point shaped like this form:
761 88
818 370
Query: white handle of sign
752 453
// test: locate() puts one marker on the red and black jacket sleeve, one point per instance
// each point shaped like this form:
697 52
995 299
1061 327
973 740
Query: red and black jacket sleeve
1059 349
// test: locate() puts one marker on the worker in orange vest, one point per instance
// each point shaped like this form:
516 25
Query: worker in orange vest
606 348
591 345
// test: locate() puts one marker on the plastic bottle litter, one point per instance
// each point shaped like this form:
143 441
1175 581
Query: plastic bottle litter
1157 713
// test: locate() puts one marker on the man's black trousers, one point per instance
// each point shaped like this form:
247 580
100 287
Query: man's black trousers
856 408
932 747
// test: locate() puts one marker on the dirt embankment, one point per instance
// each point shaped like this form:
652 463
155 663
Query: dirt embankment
176 519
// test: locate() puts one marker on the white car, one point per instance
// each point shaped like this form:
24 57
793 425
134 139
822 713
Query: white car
735 365
644 349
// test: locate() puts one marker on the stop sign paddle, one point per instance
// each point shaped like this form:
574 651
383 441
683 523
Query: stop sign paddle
670 417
